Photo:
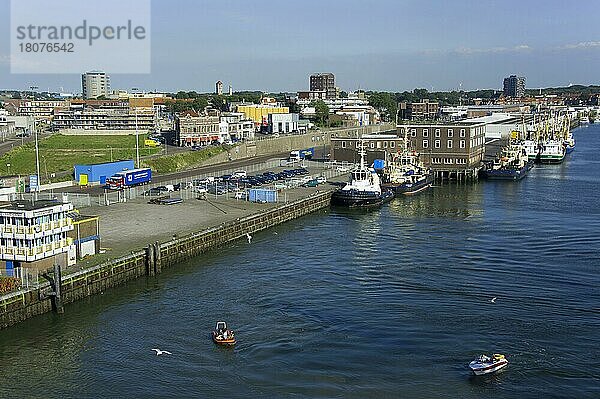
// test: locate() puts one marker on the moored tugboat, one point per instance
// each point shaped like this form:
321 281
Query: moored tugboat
363 190
404 174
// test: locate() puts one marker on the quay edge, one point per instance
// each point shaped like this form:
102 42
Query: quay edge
18 306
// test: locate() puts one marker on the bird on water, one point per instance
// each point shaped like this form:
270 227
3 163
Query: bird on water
159 352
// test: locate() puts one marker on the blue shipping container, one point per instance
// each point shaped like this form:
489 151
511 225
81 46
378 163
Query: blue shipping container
262 195
379 164
97 173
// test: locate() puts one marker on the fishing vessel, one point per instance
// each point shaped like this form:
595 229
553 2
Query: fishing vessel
569 143
405 174
512 164
364 188
552 152
532 149
485 364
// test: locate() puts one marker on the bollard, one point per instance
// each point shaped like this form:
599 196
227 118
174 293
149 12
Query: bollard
150 260
157 260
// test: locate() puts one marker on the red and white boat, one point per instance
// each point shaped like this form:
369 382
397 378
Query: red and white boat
485 364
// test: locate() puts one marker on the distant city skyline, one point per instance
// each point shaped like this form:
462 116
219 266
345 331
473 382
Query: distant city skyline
388 46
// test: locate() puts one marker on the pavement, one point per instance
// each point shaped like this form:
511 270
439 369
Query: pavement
130 226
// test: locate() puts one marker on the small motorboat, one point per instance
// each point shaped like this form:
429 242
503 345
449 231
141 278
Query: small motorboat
222 335
485 364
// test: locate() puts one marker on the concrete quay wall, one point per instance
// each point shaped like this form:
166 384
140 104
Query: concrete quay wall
19 306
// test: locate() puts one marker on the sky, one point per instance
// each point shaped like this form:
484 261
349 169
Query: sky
391 45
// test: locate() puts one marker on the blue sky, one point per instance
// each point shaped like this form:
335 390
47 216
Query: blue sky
379 44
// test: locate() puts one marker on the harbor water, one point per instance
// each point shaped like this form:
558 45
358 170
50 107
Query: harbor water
391 303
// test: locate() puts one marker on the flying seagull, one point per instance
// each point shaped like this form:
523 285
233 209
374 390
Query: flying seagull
249 237
159 352
493 300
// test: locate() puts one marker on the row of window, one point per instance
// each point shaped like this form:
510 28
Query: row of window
20 243
449 161
449 144
437 133
373 144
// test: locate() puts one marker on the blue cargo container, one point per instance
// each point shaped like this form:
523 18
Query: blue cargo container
378 164
262 195
98 173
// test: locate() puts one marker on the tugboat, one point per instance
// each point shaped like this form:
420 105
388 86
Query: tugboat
222 335
406 175
363 190
513 164
486 365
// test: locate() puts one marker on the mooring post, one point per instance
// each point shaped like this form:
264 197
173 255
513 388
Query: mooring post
157 258
150 260
57 289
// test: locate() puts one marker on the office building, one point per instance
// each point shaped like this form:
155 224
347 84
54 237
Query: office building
283 123
424 110
219 87
514 86
195 129
35 235
95 84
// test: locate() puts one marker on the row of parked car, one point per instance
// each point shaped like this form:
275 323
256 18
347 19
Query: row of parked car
236 182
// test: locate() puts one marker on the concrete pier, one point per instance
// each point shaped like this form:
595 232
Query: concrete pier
21 305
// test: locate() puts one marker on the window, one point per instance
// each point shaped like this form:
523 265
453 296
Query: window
385 144
343 144
436 160
372 144
425 143
463 144
448 161
413 132
425 132
437 133
462 132
392 144
358 144
461 161
378 144
450 133
449 144
437 144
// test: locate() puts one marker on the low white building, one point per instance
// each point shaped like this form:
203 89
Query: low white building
283 123
7 127
34 235
240 128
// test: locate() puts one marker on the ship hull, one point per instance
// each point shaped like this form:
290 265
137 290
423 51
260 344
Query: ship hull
507 174
551 159
361 199
411 188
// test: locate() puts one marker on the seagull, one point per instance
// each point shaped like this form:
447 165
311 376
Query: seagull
159 352
249 237
493 300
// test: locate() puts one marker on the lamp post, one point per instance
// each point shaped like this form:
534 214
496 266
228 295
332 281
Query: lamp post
37 156
8 167
137 145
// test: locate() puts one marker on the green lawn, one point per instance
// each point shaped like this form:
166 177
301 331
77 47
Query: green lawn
59 153
185 160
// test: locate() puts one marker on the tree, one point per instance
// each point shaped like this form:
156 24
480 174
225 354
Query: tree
321 111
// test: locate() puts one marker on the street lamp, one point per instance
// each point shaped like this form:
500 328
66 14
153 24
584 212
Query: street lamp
8 167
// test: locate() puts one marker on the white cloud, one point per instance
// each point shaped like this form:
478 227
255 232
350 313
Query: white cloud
580 45
472 51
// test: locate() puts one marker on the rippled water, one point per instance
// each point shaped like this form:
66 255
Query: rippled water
384 304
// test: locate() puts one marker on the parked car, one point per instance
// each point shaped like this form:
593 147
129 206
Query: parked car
240 195
240 174
152 192
311 183
321 179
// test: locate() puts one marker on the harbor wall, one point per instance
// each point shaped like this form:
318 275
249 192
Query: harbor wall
21 305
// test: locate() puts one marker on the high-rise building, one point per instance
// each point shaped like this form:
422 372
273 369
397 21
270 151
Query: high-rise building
219 87
324 82
95 84
514 86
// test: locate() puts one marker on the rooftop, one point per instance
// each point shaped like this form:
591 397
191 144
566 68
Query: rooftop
22 205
